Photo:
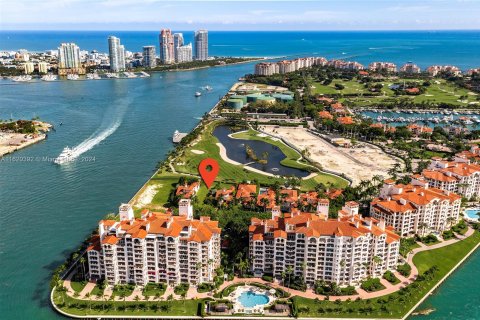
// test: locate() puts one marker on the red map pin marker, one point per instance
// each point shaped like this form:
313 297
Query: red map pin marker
208 169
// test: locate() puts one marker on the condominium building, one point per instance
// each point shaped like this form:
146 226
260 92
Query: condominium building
473 155
184 53
345 65
410 68
458 176
383 66
43 67
177 42
149 57
416 208
450 70
116 54
345 250
201 45
158 247
69 59
29 67
167 52
285 66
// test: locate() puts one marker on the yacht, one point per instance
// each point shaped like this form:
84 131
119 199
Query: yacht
198 94
144 74
72 77
22 78
93 76
49 77
67 155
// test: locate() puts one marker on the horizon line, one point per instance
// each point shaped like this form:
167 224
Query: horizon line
277 30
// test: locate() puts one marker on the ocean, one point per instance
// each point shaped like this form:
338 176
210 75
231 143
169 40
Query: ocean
46 210
460 48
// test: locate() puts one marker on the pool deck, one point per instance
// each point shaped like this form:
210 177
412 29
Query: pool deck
238 307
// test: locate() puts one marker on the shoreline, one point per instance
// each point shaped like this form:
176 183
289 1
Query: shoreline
26 139
440 282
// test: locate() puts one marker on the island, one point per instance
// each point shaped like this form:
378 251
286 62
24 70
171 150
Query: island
16 135
330 202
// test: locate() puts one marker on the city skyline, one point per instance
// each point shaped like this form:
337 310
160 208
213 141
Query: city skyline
235 15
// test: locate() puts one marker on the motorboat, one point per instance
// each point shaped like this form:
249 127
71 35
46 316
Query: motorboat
67 155
198 94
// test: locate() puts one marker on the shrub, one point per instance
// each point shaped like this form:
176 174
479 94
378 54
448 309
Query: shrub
404 269
372 284
267 278
390 277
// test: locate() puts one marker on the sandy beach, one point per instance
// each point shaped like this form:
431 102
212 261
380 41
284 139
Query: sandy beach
359 163
11 142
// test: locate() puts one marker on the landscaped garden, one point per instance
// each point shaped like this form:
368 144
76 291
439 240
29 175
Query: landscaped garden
188 158
432 265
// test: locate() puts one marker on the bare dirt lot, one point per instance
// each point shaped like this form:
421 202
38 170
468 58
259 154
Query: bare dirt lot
359 163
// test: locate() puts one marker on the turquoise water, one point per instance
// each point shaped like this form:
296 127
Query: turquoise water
461 48
250 299
46 210
472 213
235 149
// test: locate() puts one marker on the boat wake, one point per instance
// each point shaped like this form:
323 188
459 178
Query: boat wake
111 121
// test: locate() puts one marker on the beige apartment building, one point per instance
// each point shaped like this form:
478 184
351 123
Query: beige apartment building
158 247
416 208
345 250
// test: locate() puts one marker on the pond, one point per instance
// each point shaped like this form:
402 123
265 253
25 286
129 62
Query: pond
236 150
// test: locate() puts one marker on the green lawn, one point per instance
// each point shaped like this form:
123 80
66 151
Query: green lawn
230 173
395 305
442 91
97 291
78 286
98 308
118 290
153 289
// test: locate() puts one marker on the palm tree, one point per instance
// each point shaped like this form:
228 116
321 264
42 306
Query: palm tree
82 262
242 266
87 295
289 272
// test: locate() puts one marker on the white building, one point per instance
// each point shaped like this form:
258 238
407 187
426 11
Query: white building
29 67
69 59
116 54
458 176
344 250
43 67
201 45
410 68
285 66
177 43
158 247
383 66
184 53
416 208
450 70
149 58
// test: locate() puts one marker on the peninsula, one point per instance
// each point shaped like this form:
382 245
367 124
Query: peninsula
343 217
15 135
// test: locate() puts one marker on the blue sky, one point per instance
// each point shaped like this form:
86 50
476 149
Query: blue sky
239 15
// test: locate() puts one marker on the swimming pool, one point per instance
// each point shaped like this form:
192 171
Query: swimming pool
472 213
250 299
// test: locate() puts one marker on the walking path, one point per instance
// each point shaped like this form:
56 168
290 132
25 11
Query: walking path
309 293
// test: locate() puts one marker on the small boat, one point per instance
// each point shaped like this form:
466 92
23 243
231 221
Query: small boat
198 94
208 88
49 77
72 76
22 78
67 155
